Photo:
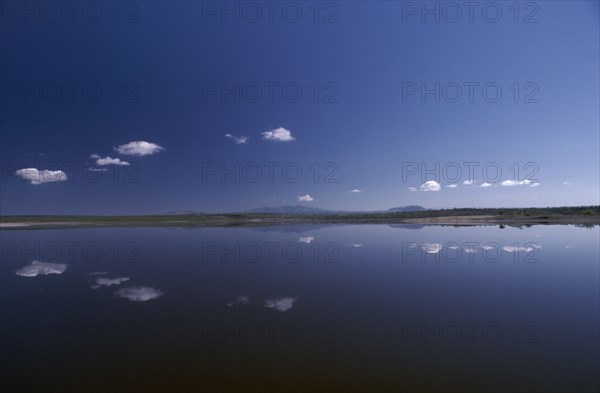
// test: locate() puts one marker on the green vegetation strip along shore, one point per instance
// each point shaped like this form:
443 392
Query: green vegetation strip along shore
584 215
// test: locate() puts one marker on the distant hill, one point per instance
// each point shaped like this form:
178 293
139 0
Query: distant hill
411 208
288 209
179 212
299 209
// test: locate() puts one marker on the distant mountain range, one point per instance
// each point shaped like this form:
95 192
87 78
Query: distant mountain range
410 208
180 212
299 209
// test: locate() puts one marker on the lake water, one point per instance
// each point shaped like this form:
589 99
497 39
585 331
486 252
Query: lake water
301 308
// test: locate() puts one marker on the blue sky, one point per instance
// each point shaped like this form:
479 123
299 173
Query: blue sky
182 75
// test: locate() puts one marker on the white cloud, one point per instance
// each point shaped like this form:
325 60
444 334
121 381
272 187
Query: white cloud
139 294
92 169
469 182
39 268
452 186
239 140
510 183
431 248
305 198
280 304
412 189
36 176
485 185
110 161
239 300
279 135
529 248
567 183
356 245
430 185
109 282
306 239
535 184
355 191
95 156
139 148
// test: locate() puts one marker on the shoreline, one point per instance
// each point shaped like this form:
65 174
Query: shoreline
265 220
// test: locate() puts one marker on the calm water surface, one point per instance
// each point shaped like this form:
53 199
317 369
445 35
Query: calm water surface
299 308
